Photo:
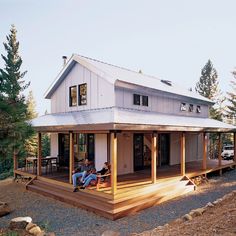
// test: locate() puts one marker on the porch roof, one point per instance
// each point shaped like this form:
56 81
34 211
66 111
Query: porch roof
125 119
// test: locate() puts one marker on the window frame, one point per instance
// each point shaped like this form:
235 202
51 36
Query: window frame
144 104
79 95
70 96
135 95
183 106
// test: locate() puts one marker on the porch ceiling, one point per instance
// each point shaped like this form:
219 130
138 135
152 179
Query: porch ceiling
104 120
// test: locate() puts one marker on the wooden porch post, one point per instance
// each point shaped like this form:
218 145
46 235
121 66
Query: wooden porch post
154 158
39 161
204 161
113 157
219 150
234 147
182 155
71 158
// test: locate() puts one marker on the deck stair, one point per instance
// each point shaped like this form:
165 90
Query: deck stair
125 202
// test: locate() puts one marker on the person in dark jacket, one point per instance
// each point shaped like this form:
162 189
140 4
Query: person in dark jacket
93 176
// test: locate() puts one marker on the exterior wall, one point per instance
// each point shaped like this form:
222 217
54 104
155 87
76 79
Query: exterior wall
125 153
194 147
100 93
54 144
158 102
100 150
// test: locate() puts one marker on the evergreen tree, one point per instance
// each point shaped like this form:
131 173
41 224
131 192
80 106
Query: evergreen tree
14 128
231 107
208 86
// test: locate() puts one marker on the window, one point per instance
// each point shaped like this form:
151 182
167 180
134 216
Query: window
145 101
72 96
82 94
190 108
198 109
136 99
183 106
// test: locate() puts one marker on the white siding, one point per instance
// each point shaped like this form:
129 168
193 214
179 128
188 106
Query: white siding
125 153
100 150
158 102
174 148
100 93
54 144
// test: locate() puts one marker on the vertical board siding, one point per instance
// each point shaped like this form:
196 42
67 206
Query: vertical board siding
54 144
100 150
100 93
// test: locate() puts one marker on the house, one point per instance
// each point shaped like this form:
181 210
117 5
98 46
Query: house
152 131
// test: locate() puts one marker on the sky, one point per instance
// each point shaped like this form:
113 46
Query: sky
169 39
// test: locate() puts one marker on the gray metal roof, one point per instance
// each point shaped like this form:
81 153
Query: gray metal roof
126 119
114 74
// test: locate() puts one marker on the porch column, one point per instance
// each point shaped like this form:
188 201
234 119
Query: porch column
113 157
71 157
39 161
182 154
154 158
219 150
204 161
234 147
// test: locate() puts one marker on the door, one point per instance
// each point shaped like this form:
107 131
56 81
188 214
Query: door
138 152
164 149
90 142
63 146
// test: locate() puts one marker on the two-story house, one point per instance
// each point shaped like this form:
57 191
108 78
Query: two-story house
153 132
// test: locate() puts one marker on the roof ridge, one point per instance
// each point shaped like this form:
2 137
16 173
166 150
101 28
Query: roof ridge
120 67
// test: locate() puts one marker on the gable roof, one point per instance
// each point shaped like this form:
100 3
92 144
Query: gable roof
115 74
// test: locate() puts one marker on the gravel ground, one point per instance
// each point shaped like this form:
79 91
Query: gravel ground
64 219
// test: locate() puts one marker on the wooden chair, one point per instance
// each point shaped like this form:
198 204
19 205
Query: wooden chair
103 181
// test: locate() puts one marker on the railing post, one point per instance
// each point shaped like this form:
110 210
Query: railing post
71 158
205 142
154 157
113 157
39 160
183 153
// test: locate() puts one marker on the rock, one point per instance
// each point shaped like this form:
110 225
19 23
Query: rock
30 226
178 221
20 222
197 212
4 209
159 227
35 231
110 233
209 204
187 217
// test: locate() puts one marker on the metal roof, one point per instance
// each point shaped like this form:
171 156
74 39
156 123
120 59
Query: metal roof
126 119
114 74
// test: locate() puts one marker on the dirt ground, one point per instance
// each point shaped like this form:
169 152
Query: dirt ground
217 220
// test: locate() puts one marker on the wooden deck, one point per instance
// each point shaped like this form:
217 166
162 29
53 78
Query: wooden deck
134 191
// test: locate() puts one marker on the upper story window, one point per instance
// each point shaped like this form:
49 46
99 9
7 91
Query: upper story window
198 109
72 96
82 94
145 101
183 106
137 99
190 108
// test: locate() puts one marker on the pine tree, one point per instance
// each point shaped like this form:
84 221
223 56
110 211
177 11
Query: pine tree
208 86
14 128
231 107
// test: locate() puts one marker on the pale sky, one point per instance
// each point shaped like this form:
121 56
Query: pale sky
166 38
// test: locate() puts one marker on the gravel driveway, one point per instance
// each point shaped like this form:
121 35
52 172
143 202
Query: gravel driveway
66 220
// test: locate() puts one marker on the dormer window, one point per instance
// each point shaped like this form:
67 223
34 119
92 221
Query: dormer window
198 110
190 109
82 94
145 101
137 99
183 106
72 96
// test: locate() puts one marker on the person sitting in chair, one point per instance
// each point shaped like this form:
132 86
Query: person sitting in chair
93 175
84 170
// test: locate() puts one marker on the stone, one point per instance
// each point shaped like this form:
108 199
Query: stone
4 209
187 217
20 222
159 227
197 212
110 233
35 231
178 221
209 204
30 226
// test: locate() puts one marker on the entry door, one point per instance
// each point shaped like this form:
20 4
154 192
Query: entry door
90 146
138 152
63 146
164 149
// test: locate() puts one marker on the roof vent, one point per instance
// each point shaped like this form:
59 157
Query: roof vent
168 82
64 60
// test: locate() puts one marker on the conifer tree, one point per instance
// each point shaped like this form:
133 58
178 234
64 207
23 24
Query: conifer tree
231 107
14 128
